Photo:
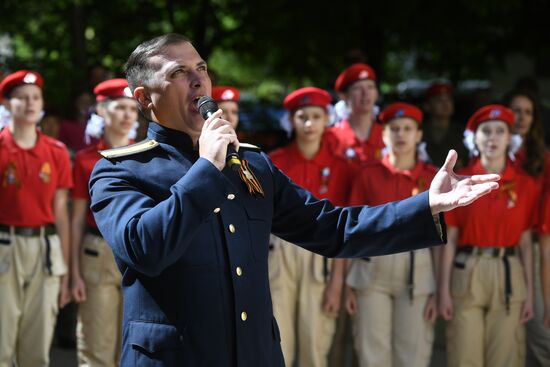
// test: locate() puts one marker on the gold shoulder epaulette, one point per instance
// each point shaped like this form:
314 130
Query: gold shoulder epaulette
249 147
142 146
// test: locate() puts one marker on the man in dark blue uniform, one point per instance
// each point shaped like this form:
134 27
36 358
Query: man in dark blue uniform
191 237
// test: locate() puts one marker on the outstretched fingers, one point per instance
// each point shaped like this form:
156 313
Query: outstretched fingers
476 191
490 177
450 161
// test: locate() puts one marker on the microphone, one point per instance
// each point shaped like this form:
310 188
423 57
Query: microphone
207 106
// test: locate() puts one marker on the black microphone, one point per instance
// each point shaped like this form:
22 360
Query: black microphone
207 106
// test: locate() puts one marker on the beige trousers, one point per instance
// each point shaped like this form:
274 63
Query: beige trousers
29 290
482 333
538 335
297 282
100 316
389 328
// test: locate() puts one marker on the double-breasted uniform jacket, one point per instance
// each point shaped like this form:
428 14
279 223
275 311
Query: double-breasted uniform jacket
192 246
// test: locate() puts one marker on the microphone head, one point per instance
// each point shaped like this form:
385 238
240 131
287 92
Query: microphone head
207 106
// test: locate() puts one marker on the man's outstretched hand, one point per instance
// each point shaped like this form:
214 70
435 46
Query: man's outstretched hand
448 190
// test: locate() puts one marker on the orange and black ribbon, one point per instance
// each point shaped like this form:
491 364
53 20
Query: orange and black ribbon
509 188
250 180
420 186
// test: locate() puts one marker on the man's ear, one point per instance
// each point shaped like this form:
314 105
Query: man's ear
143 98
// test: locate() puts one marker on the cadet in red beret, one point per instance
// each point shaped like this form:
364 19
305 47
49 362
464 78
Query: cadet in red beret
34 225
396 302
306 295
95 276
534 160
441 133
486 281
228 101
357 137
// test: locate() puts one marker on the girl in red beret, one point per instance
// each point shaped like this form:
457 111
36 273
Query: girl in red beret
534 160
392 297
357 138
306 288
228 101
35 174
95 276
486 282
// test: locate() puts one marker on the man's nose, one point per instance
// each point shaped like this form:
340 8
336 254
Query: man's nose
196 80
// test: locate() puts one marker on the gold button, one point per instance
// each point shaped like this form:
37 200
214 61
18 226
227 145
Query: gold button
231 196
239 271
217 210
244 316
231 228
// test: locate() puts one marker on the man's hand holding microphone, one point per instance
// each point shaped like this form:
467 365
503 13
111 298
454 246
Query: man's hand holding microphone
218 142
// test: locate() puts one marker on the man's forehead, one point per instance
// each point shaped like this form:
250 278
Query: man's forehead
181 53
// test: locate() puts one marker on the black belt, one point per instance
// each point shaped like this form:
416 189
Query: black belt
410 278
488 251
410 282
325 269
496 252
93 230
49 229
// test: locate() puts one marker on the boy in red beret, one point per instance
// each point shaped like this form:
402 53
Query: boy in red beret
486 272
95 276
441 133
35 173
358 137
306 288
392 297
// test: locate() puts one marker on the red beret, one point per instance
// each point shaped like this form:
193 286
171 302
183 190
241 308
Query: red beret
352 74
489 113
308 96
112 88
225 93
401 109
18 78
438 88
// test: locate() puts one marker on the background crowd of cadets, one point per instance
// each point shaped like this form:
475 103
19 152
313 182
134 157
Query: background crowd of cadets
490 283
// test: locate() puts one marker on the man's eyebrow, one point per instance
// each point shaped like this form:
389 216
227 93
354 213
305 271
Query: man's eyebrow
177 65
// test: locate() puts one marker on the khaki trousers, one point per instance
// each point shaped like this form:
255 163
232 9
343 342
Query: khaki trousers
297 282
389 328
538 335
100 316
482 332
29 289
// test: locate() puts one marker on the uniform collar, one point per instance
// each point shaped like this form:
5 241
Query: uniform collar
375 130
102 145
322 157
7 136
413 173
507 175
169 136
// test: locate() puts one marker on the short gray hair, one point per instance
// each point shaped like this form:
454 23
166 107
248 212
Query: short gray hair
139 71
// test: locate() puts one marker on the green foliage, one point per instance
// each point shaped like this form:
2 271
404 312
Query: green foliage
270 47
